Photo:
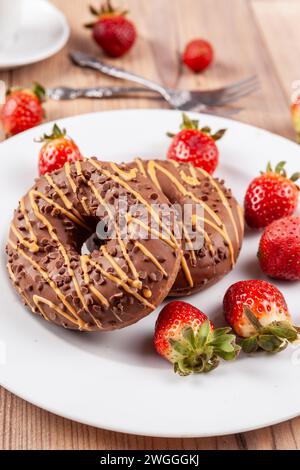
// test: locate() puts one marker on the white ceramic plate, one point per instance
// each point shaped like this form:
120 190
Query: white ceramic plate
40 20
116 380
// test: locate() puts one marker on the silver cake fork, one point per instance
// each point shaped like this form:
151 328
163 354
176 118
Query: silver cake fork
187 100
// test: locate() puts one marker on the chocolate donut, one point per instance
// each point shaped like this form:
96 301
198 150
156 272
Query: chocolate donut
221 222
117 284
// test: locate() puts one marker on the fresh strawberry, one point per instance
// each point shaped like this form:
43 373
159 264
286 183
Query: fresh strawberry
270 196
279 249
195 145
22 109
257 312
57 150
198 55
112 31
185 337
295 111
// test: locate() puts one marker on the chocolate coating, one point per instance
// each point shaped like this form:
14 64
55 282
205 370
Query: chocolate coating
114 286
223 222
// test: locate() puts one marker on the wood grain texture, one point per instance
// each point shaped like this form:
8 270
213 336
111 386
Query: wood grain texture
257 36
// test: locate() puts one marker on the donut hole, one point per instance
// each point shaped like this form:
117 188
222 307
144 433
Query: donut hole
100 233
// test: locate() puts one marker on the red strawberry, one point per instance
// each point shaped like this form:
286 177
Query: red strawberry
271 196
114 33
185 337
295 111
195 145
257 311
22 109
57 150
279 249
198 55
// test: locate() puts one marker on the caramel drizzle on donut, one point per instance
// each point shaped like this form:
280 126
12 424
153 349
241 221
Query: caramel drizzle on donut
126 175
222 196
32 246
138 196
140 166
221 229
61 248
76 320
27 223
134 282
148 229
68 214
241 216
68 204
122 245
22 294
150 256
118 281
38 300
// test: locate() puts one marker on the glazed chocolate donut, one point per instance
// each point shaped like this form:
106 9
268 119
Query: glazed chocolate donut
222 222
114 286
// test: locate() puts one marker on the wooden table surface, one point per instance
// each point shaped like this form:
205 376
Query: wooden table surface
254 36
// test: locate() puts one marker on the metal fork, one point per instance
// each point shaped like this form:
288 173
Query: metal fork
180 99
68 93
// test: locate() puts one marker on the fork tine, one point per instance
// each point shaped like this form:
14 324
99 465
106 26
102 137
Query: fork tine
218 111
240 83
236 95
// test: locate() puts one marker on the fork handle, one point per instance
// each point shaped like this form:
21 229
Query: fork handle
117 72
104 92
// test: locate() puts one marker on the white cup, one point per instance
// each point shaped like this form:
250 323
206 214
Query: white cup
10 21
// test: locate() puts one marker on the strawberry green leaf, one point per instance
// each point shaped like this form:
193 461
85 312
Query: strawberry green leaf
219 134
295 177
39 91
282 330
269 168
271 343
188 334
280 168
249 345
180 347
188 123
202 335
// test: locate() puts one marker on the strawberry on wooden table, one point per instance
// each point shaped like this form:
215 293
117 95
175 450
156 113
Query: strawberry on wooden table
186 338
58 149
195 145
257 312
279 249
112 31
271 196
22 109
198 55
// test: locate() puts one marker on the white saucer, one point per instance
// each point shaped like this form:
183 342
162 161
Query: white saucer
44 31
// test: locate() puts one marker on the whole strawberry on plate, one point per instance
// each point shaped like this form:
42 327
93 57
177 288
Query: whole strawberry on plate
195 145
279 249
198 55
257 312
186 338
58 149
270 196
112 31
22 109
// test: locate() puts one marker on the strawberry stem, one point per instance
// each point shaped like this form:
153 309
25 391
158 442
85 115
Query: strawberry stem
57 133
201 352
193 124
272 338
106 9
39 91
